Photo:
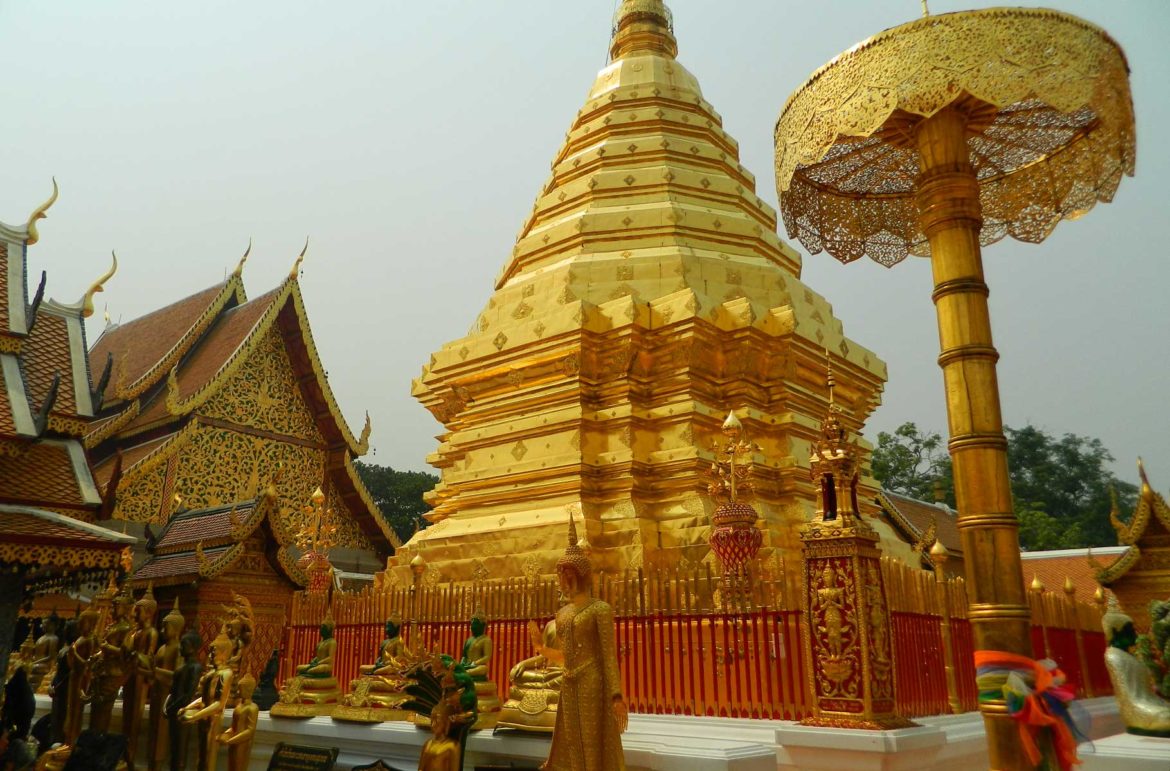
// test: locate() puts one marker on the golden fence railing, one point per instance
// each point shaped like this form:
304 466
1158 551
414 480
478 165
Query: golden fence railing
682 651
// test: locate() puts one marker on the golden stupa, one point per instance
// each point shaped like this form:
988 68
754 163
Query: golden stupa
647 295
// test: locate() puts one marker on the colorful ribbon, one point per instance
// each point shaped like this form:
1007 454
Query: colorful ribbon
1038 697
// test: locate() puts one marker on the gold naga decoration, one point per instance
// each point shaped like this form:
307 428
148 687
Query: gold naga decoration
296 268
98 286
39 214
734 537
239 269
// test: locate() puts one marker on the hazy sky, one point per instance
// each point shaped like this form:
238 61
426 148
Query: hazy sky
410 139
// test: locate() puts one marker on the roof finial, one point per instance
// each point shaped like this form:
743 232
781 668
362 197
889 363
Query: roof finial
925 10
39 214
239 271
98 286
643 26
296 268
829 379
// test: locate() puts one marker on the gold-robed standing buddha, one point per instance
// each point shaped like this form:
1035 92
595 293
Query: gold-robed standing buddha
477 655
110 666
167 659
215 690
591 712
45 655
1142 710
377 694
534 690
141 646
313 689
83 649
238 739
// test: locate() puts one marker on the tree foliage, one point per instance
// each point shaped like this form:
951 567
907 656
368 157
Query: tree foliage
1060 485
399 495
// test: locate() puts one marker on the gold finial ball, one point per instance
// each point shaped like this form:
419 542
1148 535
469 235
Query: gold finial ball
1069 587
318 496
939 553
1099 596
418 565
1037 584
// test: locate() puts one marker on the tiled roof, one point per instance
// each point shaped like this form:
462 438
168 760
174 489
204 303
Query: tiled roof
103 471
206 525
175 565
920 515
42 475
1053 567
29 525
46 353
4 316
139 344
210 354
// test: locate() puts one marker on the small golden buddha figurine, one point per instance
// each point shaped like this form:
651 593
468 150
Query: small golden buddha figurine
591 713
477 655
81 652
313 689
239 627
110 666
141 645
376 695
441 752
23 657
535 689
238 738
1143 711
45 655
215 689
167 659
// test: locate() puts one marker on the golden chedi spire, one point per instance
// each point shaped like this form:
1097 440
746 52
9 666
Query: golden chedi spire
647 294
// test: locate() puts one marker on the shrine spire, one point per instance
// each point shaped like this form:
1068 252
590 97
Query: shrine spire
643 26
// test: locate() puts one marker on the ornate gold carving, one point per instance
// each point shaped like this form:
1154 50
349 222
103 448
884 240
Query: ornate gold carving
1051 129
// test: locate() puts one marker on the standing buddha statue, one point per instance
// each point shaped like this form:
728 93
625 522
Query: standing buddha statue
215 689
238 739
81 652
1143 711
313 689
534 690
167 659
45 654
110 666
59 682
184 685
477 655
141 645
591 713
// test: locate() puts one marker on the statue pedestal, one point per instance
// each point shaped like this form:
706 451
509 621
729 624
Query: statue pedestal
1126 752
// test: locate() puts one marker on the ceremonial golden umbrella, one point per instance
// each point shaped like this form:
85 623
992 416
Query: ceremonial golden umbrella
931 139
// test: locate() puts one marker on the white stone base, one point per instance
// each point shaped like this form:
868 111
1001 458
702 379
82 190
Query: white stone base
1126 752
670 743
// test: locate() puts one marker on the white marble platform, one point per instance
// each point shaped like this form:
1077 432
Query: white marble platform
1126 752
676 743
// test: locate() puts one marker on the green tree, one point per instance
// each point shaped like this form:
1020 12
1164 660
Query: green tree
913 463
399 495
1060 485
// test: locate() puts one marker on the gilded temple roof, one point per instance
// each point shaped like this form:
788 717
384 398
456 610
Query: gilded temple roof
204 543
1146 536
922 521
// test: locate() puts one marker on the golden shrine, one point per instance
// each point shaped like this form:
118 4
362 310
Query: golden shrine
1141 573
646 296
218 425
48 499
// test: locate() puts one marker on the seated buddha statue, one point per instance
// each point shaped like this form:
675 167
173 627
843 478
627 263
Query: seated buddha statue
1143 711
313 689
376 695
535 688
477 655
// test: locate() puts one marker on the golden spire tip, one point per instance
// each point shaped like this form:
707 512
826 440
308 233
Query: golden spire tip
296 268
239 271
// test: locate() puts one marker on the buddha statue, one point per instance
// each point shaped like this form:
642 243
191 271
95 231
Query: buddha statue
1143 711
591 711
58 682
81 652
166 660
441 752
141 645
215 689
45 655
239 627
238 739
110 666
376 695
534 689
313 689
23 658
477 655
184 685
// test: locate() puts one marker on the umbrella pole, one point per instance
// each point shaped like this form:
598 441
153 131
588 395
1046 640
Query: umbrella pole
949 214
